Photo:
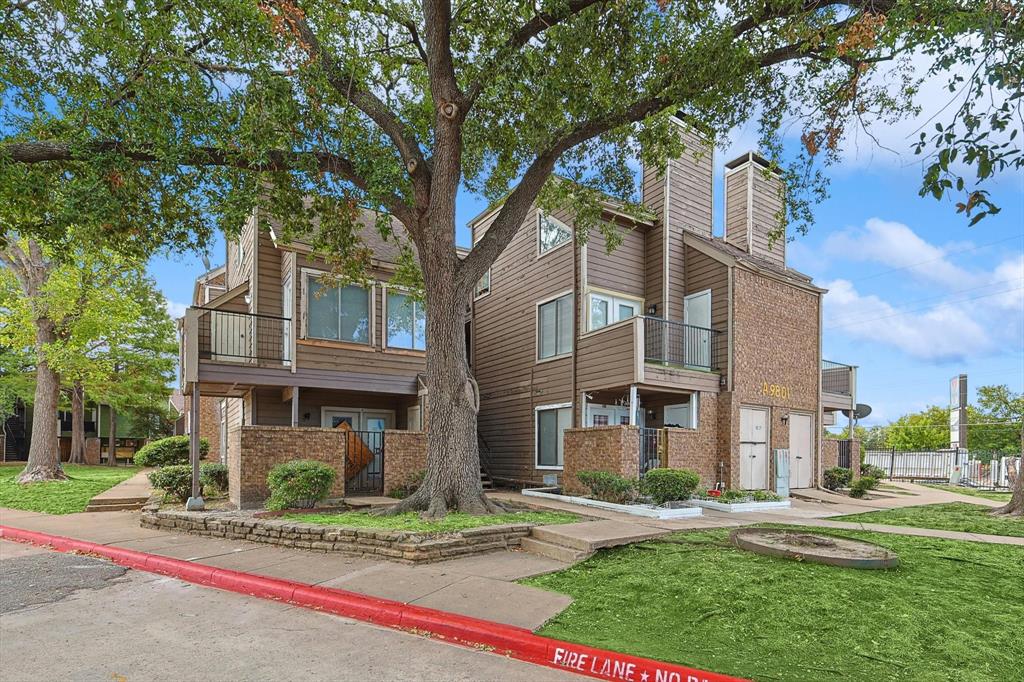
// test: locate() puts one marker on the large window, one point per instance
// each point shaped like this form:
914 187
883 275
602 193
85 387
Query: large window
554 327
552 421
406 322
551 233
605 309
337 313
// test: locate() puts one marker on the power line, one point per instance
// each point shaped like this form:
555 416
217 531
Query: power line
914 310
932 260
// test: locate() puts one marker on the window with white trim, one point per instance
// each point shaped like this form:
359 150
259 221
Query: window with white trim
406 321
484 285
551 425
551 233
335 312
554 327
605 309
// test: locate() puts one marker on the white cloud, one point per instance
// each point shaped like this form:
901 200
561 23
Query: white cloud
966 313
175 309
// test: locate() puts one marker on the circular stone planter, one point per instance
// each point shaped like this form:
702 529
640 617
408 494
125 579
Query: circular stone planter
822 549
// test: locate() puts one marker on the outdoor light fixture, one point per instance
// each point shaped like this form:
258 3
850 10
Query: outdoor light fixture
652 309
785 418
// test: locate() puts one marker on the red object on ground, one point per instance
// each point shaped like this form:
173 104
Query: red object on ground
505 640
715 493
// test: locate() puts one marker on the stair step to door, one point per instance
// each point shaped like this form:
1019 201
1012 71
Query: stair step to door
551 551
589 536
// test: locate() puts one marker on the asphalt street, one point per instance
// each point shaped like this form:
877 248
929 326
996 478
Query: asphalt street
69 617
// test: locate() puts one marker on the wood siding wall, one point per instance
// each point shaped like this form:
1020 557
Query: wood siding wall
736 183
704 272
512 381
623 270
607 357
270 409
753 206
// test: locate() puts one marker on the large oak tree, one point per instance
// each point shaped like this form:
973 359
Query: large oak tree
395 106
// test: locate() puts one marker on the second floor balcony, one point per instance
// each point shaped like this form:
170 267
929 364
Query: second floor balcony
248 338
838 385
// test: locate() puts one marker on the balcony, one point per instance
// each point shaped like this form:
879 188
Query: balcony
683 345
838 385
226 336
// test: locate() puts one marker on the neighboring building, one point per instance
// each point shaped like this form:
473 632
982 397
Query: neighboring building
18 434
709 347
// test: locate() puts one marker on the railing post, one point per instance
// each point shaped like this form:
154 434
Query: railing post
892 463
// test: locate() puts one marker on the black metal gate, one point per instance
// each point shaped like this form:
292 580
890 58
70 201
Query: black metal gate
364 463
844 454
651 441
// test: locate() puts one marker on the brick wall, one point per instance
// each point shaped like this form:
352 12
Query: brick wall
405 454
775 342
600 448
830 456
92 450
263 447
697 449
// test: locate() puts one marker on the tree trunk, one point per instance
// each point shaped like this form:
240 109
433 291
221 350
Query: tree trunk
44 451
112 439
452 480
1015 507
77 424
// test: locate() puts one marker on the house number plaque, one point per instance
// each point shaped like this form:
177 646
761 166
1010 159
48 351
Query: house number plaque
774 390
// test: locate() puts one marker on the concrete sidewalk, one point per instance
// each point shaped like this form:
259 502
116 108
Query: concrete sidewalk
480 586
129 494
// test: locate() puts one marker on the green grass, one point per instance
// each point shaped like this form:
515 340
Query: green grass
946 613
60 497
960 516
451 523
412 522
987 494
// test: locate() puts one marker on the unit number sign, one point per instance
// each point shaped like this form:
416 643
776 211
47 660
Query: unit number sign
774 390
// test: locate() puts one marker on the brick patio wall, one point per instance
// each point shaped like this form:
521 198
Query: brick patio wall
92 450
601 448
405 454
263 447
697 449
830 456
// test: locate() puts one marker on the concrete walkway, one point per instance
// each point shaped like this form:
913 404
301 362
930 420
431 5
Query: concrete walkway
481 586
129 494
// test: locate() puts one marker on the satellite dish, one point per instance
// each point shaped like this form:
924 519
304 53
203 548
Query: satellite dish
206 262
862 410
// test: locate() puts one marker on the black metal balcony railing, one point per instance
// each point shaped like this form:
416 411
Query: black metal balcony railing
682 345
244 337
836 378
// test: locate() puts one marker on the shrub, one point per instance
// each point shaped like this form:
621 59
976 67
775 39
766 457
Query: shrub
168 451
732 496
764 496
214 475
871 471
669 485
862 485
411 485
837 477
175 480
608 487
299 484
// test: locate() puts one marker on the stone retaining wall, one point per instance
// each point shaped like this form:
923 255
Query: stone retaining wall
400 546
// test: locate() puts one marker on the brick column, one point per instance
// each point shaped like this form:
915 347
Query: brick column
615 449
405 454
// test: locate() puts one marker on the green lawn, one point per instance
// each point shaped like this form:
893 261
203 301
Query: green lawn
961 516
412 522
987 494
60 497
946 613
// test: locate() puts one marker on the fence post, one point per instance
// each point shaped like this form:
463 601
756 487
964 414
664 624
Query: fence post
892 463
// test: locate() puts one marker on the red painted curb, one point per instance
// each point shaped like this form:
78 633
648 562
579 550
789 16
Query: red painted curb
507 640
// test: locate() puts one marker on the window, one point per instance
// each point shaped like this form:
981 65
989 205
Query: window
552 421
684 415
554 327
241 249
337 313
605 309
484 285
551 233
406 322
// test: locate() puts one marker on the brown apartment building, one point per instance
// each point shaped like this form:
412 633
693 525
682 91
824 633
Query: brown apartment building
676 349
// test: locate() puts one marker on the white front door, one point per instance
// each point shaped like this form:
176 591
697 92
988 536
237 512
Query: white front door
800 429
753 448
608 415
229 336
697 339
331 418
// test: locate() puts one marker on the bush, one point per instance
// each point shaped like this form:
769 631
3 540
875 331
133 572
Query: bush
836 478
608 487
862 485
871 471
764 496
214 475
669 485
175 480
411 485
168 451
299 484
732 496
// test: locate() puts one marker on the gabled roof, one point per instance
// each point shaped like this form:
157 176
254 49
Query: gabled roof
721 250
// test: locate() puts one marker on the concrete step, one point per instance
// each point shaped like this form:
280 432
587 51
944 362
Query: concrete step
103 501
129 506
552 551
589 536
